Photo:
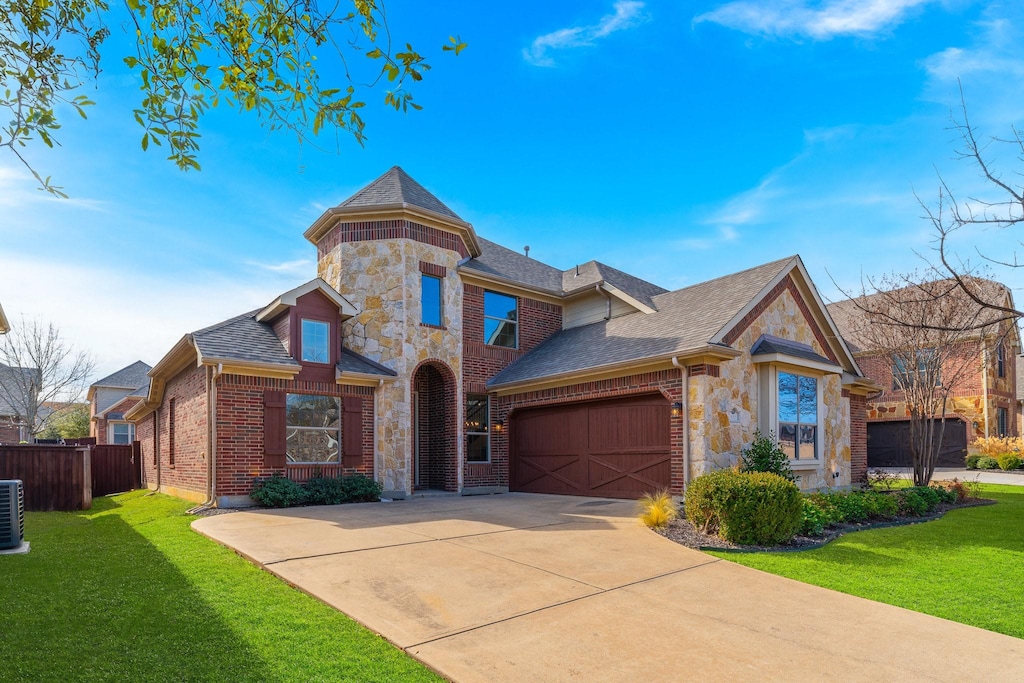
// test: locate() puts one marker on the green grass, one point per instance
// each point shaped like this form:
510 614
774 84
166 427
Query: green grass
127 591
965 567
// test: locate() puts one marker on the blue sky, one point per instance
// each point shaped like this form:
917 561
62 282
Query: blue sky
677 141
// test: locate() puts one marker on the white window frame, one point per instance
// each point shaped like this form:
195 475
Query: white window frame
290 428
768 379
110 431
302 340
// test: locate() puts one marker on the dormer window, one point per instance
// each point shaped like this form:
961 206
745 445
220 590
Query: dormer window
316 342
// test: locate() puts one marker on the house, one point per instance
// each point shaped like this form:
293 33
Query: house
431 358
18 388
5 326
109 398
979 371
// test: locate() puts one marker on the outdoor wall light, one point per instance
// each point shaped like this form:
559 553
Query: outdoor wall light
677 409
499 425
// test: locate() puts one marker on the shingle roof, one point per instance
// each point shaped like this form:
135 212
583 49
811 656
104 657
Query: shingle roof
686 319
592 272
510 265
766 344
141 392
852 318
353 362
243 339
397 187
13 382
130 377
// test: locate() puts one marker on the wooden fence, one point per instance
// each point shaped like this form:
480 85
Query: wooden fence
55 477
67 477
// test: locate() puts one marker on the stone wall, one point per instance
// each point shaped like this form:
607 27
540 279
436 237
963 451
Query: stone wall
382 280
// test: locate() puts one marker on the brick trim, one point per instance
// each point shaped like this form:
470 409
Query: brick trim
365 231
786 284
433 269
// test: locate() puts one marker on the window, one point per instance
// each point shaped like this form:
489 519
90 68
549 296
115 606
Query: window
313 429
122 432
431 300
478 447
903 377
1000 360
170 432
316 341
500 316
798 415
1002 426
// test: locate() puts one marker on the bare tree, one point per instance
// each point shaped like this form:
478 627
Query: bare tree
919 337
1002 207
37 367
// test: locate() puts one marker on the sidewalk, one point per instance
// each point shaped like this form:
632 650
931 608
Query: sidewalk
1013 478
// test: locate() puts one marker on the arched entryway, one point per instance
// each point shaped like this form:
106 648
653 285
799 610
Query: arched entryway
435 455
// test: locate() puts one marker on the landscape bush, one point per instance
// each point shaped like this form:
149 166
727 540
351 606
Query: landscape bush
963 490
280 492
971 461
917 501
750 508
765 455
657 509
993 446
1008 461
987 463
813 519
277 492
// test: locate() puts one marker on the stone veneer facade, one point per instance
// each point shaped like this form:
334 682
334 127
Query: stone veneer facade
383 278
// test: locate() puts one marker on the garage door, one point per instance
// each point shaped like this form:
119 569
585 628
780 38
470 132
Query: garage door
617 449
888 444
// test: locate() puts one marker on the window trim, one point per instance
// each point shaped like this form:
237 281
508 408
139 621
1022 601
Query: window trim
768 413
508 320
1000 360
1002 422
113 425
288 427
440 300
468 433
302 341
896 360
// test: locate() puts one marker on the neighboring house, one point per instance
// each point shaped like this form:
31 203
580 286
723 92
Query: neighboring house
111 397
5 326
18 388
430 358
983 396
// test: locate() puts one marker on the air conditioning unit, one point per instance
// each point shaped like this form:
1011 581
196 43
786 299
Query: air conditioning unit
12 513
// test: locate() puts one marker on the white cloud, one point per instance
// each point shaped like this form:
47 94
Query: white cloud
722 235
996 51
816 20
300 268
628 14
18 188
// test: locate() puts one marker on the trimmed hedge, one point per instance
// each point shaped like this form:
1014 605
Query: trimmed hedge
280 492
1008 461
749 508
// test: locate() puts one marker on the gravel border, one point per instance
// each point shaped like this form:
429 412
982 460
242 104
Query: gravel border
683 532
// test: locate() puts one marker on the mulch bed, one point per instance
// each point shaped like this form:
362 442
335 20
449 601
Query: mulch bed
681 531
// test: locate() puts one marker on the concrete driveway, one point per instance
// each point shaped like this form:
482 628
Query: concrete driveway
522 587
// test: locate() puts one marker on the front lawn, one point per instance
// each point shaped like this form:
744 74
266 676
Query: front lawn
967 566
127 591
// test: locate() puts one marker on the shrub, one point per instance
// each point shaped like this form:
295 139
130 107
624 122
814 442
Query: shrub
971 461
323 491
880 505
947 496
277 492
813 519
657 509
961 490
917 501
1008 461
879 479
987 463
760 508
996 445
765 455
358 488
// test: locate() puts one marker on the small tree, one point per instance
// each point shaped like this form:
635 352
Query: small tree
68 422
765 455
40 368
924 329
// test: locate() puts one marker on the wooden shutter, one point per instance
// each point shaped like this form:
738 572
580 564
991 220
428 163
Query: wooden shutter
274 429
352 432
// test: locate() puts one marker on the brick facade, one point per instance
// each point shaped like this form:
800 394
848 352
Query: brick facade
858 438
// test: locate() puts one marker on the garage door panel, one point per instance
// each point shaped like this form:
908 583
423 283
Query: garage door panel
889 444
614 448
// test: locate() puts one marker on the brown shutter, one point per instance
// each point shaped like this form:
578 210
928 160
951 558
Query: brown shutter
274 438
352 432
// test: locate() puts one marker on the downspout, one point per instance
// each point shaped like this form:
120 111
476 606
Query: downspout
608 299
984 387
212 374
686 421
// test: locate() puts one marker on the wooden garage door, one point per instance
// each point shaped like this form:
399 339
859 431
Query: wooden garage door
617 449
888 444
